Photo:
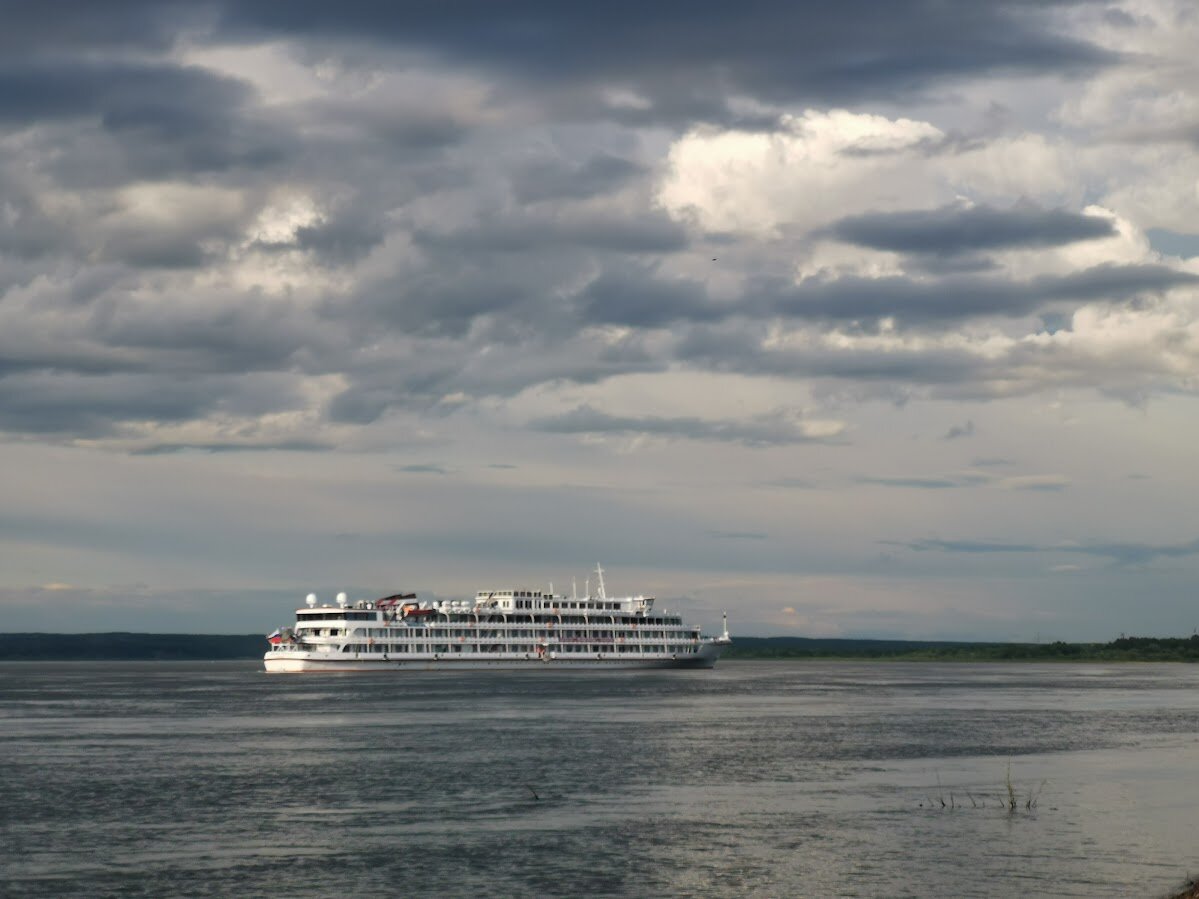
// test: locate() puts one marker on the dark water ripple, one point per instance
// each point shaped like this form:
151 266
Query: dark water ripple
757 779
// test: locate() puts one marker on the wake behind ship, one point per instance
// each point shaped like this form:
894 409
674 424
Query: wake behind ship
499 629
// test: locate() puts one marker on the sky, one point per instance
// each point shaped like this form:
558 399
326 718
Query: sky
858 319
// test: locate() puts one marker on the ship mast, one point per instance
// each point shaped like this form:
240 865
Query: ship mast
599 572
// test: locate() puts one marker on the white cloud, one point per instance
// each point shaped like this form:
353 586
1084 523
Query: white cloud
816 167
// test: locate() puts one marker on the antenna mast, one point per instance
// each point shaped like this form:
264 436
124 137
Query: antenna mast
599 572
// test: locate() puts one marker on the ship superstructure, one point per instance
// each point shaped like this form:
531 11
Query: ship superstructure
497 629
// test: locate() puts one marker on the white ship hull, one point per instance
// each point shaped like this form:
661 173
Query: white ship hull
301 662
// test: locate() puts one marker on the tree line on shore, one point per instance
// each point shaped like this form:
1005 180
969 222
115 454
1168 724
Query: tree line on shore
182 647
1122 649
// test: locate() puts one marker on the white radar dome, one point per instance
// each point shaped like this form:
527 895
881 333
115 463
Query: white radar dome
311 600
341 599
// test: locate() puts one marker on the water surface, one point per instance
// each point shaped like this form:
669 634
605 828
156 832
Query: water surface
755 779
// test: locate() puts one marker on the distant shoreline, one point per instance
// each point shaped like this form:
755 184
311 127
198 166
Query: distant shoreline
127 646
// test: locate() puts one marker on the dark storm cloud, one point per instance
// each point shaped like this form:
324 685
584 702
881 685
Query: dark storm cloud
524 233
438 303
509 289
409 124
556 180
122 95
342 240
898 372
741 351
27 230
1114 282
938 266
671 50
361 405
200 338
51 403
420 379
953 230
73 357
637 299
633 296
35 26
480 259
115 122
773 429
907 300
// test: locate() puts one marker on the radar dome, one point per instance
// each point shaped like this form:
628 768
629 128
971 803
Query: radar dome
311 600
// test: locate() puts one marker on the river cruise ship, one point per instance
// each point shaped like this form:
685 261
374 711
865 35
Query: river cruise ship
497 629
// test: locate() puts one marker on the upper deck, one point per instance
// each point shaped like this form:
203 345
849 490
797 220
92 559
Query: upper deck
537 601
507 602
488 602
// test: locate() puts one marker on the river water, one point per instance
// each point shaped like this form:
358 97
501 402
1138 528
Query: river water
755 779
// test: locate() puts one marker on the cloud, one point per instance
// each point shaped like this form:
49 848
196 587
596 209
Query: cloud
239 241
920 483
674 57
342 240
111 122
805 174
642 300
1049 483
1119 553
516 232
635 297
953 230
121 95
556 179
779 428
792 484
1044 483
916 300
95 406
287 446
959 431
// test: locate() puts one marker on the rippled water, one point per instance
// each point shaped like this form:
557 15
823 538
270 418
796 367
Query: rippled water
756 779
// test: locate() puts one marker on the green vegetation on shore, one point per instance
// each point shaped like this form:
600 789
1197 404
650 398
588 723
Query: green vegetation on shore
181 647
124 646
1123 649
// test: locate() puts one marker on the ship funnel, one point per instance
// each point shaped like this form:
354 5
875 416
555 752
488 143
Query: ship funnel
311 600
